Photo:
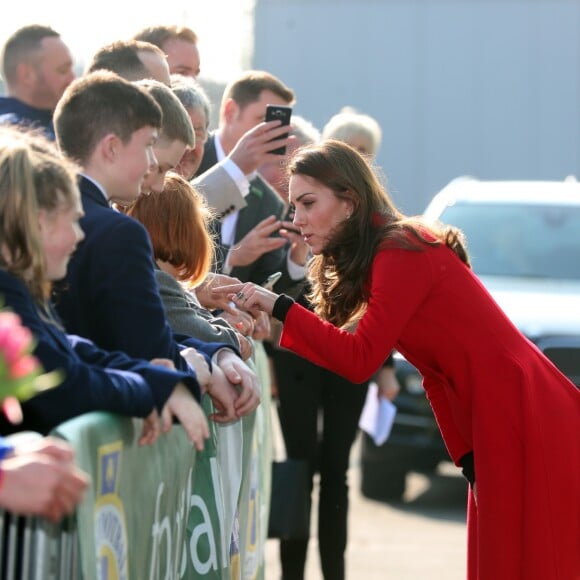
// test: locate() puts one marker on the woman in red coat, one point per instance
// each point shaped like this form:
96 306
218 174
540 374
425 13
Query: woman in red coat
507 415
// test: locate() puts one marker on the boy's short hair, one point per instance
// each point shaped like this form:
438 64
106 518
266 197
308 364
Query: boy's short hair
123 57
248 87
98 104
176 125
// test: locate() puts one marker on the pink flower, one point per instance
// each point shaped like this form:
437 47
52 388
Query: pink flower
9 319
20 372
23 367
17 344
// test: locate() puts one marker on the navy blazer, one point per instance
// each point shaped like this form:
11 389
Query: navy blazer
110 294
92 379
261 202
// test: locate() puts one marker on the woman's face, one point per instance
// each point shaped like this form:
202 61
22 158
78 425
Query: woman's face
319 212
60 233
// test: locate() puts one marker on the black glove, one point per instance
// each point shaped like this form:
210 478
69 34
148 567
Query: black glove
468 468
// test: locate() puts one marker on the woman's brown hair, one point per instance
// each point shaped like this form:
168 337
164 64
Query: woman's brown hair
338 275
177 221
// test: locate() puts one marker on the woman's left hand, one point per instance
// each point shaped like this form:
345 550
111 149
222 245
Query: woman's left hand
249 296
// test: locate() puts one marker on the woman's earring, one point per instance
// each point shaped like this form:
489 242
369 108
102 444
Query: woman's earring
347 216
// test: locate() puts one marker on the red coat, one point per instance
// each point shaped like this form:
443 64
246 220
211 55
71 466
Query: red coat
492 392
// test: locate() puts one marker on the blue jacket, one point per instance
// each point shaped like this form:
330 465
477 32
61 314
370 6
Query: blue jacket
15 112
92 379
110 294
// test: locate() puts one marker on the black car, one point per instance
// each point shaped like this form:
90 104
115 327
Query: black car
524 243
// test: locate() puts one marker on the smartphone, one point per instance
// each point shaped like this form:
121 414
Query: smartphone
279 113
271 280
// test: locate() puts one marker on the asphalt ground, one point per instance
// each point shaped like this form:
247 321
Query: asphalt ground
422 537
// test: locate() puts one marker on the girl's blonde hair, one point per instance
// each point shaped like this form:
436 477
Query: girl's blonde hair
33 176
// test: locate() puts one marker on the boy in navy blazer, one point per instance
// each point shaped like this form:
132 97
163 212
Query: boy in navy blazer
110 294
40 201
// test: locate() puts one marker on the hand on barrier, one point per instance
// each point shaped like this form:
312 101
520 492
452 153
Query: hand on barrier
151 429
245 380
223 395
41 479
185 408
198 363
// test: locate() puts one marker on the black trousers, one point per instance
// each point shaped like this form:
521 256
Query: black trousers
307 392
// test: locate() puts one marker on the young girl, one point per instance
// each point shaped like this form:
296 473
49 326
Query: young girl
177 219
39 212
506 413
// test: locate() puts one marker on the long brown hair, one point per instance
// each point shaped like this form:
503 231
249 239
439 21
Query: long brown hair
338 276
177 221
33 176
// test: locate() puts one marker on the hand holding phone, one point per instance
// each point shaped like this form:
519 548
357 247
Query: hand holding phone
279 113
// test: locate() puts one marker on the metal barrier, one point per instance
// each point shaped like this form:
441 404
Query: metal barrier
36 549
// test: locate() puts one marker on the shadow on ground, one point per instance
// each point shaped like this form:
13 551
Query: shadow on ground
439 495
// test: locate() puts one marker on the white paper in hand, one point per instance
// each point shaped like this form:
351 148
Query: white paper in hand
377 416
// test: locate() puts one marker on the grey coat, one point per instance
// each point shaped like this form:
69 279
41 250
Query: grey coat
186 316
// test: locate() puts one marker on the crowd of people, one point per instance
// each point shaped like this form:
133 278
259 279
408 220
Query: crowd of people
134 245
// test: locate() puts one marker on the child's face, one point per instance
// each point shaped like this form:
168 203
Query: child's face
168 154
134 161
60 233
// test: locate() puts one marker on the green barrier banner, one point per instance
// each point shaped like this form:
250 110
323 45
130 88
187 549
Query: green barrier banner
255 492
163 512
132 522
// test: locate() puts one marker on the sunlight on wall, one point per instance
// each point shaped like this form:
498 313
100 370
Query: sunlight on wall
224 27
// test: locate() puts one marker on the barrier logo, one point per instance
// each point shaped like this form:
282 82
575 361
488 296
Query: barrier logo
109 518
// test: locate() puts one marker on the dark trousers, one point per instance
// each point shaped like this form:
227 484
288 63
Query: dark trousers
304 391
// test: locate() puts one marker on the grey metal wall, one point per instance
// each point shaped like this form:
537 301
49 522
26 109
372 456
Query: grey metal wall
479 87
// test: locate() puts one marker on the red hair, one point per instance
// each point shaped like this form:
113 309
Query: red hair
176 220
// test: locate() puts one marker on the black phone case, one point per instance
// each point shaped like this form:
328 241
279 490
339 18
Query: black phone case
280 113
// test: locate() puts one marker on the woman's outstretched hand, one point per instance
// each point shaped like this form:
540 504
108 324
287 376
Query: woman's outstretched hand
249 297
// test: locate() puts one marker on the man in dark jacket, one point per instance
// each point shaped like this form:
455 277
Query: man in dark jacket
37 66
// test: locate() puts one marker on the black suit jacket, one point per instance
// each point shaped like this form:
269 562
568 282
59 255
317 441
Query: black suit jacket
262 202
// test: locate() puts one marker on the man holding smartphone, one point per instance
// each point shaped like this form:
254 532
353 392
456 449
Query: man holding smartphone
251 245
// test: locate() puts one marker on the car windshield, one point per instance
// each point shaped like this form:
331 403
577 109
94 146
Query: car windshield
539 241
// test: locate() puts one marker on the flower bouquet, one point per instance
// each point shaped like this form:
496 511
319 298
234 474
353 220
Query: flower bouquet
21 375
